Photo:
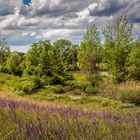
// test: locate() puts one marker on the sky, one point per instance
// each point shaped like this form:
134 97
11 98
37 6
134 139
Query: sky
23 22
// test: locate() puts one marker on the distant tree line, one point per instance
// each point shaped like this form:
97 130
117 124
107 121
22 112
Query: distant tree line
119 54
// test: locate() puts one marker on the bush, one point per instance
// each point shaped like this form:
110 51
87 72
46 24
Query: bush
56 79
59 89
67 88
3 69
130 96
4 78
91 90
94 79
68 77
80 86
26 85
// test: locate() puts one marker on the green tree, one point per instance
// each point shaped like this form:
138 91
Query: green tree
65 54
13 63
133 61
72 58
38 60
118 37
90 50
4 52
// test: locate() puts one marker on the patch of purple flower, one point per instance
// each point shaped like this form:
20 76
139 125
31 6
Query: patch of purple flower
35 122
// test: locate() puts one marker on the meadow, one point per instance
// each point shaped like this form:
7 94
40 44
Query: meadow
64 91
56 112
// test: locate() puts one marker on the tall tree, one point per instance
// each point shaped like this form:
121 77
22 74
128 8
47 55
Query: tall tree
64 53
90 50
118 37
38 59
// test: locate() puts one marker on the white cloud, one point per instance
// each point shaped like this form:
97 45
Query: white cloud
58 33
22 48
27 22
53 19
25 33
33 34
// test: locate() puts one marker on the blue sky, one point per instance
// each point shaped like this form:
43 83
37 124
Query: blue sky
27 2
24 22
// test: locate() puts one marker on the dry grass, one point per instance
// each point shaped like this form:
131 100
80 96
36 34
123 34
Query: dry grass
111 90
134 85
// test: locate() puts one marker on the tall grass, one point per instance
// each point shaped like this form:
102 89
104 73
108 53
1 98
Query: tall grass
22 120
123 91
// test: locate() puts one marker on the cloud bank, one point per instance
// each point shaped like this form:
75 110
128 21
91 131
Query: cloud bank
53 19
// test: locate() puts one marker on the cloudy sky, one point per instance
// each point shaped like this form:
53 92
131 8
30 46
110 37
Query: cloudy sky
24 21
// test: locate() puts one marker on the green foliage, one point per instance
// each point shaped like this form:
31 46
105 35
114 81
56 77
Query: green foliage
91 90
130 96
66 55
56 79
59 89
38 59
52 61
68 77
95 79
26 85
13 63
133 61
118 37
90 50
4 69
4 78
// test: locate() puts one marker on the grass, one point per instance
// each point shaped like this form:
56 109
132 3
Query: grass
87 102
76 97
22 118
67 112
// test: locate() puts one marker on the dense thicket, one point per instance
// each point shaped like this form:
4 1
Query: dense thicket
119 55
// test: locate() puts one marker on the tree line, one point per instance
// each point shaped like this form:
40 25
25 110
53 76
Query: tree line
119 54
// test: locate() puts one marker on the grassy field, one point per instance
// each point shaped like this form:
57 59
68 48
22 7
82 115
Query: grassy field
65 112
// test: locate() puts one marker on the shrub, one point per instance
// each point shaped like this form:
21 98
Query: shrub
67 88
3 69
91 90
4 78
26 85
58 89
94 79
56 79
80 86
68 77
129 96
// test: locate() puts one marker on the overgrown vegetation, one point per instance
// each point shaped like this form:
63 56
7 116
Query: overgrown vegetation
103 76
20 119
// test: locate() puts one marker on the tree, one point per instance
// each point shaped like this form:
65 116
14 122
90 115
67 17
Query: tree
90 50
13 63
133 61
38 60
118 37
66 54
4 52
72 58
